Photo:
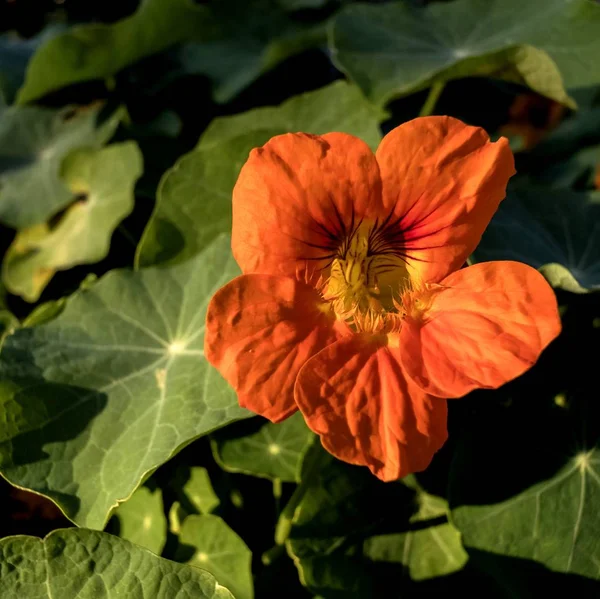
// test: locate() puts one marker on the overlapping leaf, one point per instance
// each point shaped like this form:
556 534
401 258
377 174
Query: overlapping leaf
98 51
33 143
269 450
245 39
97 398
349 528
207 542
103 182
395 48
195 490
142 519
554 230
89 564
194 198
536 497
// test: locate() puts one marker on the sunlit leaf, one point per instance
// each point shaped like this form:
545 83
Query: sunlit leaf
142 519
270 450
103 182
207 542
435 549
554 230
117 382
98 51
33 143
194 198
194 488
88 565
394 49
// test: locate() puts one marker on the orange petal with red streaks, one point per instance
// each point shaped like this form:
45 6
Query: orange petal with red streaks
297 197
442 181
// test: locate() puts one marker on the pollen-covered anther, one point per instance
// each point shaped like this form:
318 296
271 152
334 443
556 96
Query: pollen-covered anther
354 289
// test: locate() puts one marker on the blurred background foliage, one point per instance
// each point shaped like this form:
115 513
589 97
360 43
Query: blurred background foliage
122 129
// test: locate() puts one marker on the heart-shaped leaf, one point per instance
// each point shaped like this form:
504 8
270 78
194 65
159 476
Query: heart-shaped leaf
96 399
88 564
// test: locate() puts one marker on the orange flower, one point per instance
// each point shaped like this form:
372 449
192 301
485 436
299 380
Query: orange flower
352 306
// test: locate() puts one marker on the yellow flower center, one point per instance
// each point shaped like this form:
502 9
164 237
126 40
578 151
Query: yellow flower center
367 283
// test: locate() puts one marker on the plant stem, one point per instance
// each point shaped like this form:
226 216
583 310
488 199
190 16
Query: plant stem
312 463
435 91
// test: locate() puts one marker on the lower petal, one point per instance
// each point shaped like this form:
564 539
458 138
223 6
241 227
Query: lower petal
485 325
354 394
260 330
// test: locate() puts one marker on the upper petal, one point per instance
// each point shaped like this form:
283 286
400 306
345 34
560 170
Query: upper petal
442 182
484 326
296 198
260 330
355 395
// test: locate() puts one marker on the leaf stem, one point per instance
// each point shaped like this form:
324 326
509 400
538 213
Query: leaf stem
312 464
435 91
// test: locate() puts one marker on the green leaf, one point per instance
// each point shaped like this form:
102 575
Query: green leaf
33 143
88 565
8 323
244 40
117 382
207 542
536 496
394 49
434 550
98 51
194 198
270 450
195 490
349 527
142 519
554 230
339 106
103 182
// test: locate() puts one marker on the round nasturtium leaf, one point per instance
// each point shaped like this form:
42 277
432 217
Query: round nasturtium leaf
525 483
269 450
88 564
394 49
142 519
219 550
114 386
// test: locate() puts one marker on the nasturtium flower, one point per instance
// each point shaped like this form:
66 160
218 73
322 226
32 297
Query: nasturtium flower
353 305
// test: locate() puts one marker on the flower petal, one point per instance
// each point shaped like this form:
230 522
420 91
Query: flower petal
486 325
260 330
355 395
442 181
296 197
